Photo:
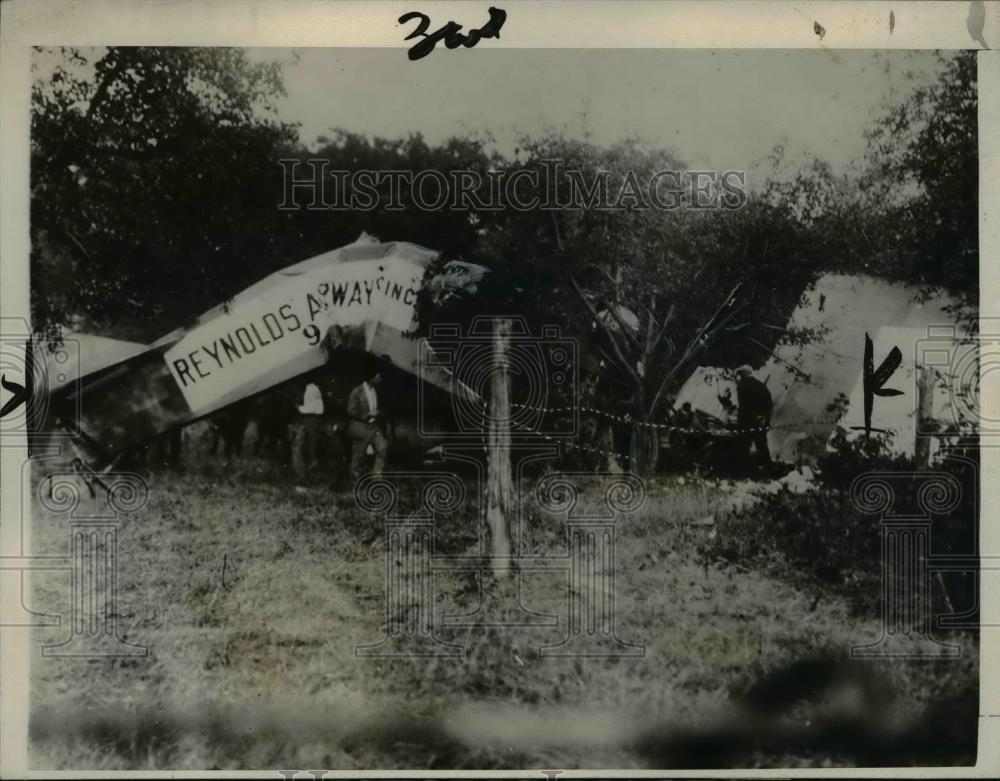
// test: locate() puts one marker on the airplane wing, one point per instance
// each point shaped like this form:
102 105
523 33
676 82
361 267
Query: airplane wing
361 296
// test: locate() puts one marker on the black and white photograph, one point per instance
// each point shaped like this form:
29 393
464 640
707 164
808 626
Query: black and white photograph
446 406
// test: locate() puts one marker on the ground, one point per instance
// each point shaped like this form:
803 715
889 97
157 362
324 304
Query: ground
252 597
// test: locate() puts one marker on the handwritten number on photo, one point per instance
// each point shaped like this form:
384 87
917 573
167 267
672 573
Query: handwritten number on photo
449 33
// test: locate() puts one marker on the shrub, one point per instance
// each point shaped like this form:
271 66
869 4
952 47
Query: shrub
822 540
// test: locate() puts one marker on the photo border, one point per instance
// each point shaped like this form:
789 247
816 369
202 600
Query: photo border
749 25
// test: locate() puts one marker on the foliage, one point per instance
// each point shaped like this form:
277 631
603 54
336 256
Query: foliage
149 172
923 180
155 183
452 232
646 293
922 187
823 541
847 456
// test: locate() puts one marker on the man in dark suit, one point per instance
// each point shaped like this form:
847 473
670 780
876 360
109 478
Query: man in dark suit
364 427
753 415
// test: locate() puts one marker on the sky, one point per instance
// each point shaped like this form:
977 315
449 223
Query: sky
714 109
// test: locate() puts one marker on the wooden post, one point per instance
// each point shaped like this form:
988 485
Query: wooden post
499 481
926 379
644 449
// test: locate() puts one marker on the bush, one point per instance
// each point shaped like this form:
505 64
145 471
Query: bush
822 540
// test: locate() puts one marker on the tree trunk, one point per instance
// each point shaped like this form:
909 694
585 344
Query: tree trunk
499 482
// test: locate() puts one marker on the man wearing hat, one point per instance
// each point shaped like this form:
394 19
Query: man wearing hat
753 415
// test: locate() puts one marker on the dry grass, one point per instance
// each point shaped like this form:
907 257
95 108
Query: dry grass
255 666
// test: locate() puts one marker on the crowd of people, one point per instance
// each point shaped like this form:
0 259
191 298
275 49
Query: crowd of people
312 429
306 427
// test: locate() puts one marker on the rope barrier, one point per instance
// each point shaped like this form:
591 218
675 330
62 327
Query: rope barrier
629 419
524 429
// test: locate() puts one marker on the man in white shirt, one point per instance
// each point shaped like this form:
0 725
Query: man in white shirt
364 427
307 430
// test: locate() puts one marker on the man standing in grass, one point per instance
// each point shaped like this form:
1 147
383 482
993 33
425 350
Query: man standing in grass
364 427
753 416
307 430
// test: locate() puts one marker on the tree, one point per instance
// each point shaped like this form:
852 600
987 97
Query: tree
343 155
153 183
922 185
646 292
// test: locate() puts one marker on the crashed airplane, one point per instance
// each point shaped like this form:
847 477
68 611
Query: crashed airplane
355 299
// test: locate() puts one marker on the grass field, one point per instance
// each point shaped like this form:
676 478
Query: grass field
252 597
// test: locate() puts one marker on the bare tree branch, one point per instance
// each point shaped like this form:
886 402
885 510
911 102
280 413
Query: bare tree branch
626 329
555 225
791 366
650 322
716 323
607 331
663 326
607 274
